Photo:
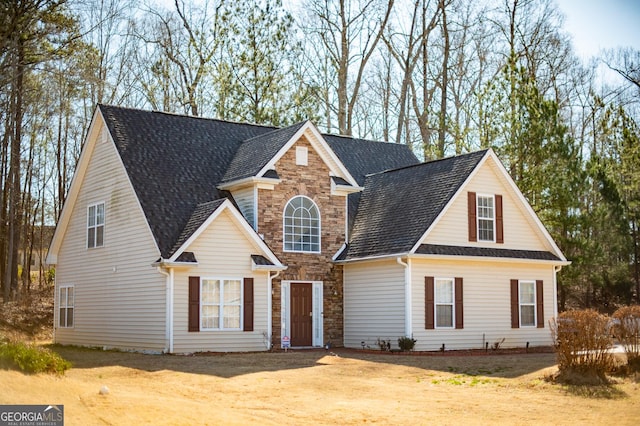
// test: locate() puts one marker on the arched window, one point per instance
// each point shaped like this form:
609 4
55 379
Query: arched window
301 225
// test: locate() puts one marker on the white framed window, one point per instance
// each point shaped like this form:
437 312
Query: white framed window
444 297
301 225
220 304
95 225
486 217
527 302
302 156
66 303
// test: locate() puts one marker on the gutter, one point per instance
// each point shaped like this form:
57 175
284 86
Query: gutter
377 257
556 269
453 257
407 295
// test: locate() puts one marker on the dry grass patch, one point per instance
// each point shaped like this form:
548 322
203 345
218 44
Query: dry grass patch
316 387
308 387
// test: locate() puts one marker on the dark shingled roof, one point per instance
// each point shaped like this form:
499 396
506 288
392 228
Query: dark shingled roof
485 252
175 162
339 181
260 260
362 157
398 206
187 257
256 152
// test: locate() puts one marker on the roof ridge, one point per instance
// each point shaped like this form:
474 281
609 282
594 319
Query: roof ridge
437 160
195 117
353 138
244 123
274 129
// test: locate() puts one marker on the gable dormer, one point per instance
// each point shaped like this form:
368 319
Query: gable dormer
255 165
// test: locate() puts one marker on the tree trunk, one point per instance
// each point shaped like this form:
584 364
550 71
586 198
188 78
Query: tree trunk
444 83
343 74
13 234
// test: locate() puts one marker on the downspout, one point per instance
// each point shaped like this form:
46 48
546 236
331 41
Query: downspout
407 295
56 305
346 222
169 305
556 269
270 307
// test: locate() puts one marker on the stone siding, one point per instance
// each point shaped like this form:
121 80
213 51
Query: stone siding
313 181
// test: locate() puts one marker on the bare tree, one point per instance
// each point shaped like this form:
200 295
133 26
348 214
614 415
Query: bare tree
423 87
404 47
189 38
443 81
626 62
349 32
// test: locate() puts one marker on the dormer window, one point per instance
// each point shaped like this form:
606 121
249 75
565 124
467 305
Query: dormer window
301 225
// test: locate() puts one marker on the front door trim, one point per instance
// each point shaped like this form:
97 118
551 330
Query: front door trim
317 310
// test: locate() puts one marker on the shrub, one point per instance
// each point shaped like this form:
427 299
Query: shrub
406 343
627 330
31 359
583 342
384 345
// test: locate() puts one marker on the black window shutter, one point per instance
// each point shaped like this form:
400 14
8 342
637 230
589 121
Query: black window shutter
539 304
248 304
429 323
194 303
515 305
458 301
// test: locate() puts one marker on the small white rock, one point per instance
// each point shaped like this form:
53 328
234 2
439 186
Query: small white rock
104 390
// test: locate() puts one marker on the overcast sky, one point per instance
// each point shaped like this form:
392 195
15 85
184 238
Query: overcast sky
601 24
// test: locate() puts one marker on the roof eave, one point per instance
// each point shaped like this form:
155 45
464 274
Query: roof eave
369 258
345 189
166 263
262 182
558 262
255 267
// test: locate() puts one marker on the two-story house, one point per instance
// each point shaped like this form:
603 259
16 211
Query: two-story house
183 234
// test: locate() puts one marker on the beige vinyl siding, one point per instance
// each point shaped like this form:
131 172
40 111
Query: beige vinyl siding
520 231
222 251
245 198
487 304
374 303
119 296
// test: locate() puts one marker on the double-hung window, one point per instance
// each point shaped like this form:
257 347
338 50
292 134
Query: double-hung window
95 225
301 225
220 304
444 302
527 301
65 305
486 218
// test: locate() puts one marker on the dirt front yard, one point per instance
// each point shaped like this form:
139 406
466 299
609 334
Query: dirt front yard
318 387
